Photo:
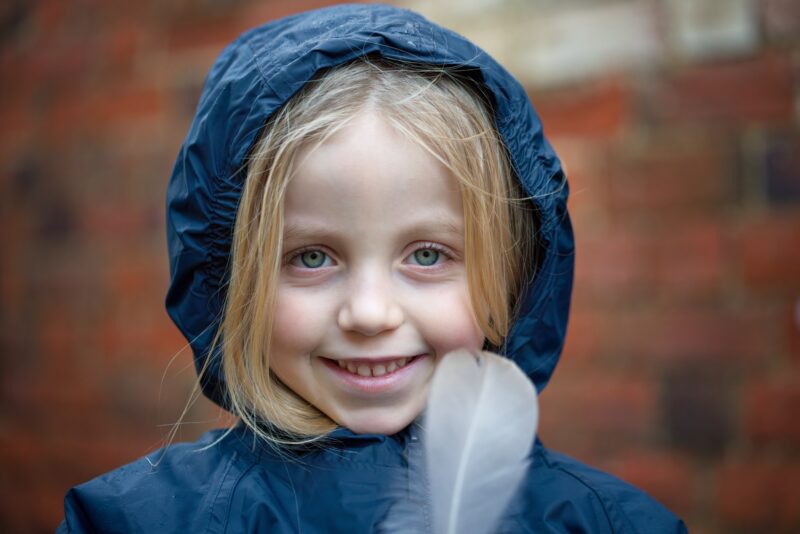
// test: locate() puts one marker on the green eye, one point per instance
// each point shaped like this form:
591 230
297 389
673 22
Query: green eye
313 258
426 256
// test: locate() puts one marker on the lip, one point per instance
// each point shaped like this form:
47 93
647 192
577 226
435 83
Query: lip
372 385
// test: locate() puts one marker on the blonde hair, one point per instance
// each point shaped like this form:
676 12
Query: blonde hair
441 110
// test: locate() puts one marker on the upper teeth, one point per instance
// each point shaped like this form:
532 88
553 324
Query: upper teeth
373 369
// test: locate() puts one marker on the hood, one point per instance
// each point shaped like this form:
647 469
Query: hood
257 74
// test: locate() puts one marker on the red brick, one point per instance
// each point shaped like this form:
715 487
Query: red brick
771 408
124 42
164 339
681 263
159 340
760 494
49 16
744 336
14 235
667 477
116 221
47 390
58 338
669 176
24 502
216 32
70 61
138 331
261 12
592 413
598 110
690 262
771 252
67 110
97 108
793 329
585 164
781 168
584 340
121 43
695 408
613 268
18 449
751 90
109 336
781 19
130 103
16 109
131 276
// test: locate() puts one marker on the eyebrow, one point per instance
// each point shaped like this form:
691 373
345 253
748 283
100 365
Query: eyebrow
443 226
296 231
439 226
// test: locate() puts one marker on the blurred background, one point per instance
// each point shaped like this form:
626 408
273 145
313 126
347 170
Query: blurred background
678 122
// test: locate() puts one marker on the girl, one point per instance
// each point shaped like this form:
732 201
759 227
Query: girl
360 192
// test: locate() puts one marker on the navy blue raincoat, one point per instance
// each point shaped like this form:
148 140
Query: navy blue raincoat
240 485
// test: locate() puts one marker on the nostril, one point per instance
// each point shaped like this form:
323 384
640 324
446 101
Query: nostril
368 318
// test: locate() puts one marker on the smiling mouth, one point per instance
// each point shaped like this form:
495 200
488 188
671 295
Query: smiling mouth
368 368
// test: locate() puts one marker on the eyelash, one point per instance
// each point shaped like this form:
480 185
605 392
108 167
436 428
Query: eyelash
314 248
424 246
433 246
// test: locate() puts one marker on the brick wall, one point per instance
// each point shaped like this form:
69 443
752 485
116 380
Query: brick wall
677 121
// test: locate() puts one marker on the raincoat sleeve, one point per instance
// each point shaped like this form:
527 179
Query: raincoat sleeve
76 520
564 495
133 498
184 488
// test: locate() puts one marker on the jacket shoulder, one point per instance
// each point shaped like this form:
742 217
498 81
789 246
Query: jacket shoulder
173 489
568 496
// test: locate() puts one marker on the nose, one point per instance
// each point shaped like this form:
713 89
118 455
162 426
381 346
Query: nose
370 307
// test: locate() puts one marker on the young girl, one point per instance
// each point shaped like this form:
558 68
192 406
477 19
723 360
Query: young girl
361 192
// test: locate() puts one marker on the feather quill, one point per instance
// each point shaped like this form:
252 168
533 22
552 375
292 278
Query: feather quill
478 430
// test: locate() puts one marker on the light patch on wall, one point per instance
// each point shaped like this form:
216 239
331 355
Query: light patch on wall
713 28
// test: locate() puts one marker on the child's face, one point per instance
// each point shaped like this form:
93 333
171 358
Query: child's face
373 290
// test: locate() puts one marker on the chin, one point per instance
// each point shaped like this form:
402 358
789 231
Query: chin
386 424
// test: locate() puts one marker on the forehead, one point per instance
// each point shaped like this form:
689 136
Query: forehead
369 174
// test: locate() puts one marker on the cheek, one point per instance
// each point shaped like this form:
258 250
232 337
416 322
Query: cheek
297 322
449 324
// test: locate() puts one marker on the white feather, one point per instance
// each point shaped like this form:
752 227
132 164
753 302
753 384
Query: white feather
479 428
